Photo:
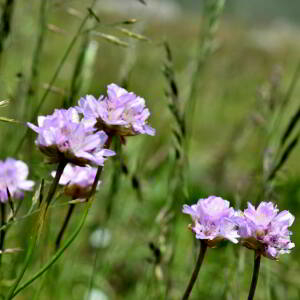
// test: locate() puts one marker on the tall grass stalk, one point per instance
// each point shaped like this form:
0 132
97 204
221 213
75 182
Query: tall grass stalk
212 13
55 75
283 106
36 58
27 261
177 192
83 64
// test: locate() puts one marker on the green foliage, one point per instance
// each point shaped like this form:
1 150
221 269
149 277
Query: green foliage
227 124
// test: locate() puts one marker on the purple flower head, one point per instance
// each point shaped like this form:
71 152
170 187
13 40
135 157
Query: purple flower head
120 113
77 180
265 230
213 220
13 176
63 136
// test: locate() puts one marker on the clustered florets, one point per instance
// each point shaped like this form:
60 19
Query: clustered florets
212 220
82 141
63 136
13 179
77 181
81 135
120 113
262 229
266 230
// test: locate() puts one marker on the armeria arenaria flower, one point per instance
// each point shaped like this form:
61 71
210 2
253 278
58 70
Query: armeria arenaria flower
265 230
78 181
13 177
212 220
62 136
120 113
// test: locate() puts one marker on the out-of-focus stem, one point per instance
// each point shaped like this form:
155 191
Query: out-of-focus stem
64 226
5 22
212 13
202 251
257 257
36 58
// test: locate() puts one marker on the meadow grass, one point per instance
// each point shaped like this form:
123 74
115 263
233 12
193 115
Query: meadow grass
226 119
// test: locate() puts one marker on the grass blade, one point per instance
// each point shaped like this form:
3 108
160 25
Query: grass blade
56 256
292 124
284 157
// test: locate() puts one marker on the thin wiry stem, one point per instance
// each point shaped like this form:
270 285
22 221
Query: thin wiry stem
2 232
202 252
257 258
31 247
64 226
53 187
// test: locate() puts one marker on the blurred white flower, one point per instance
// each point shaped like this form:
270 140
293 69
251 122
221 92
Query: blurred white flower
100 238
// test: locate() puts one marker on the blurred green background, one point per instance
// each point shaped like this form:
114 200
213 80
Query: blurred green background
254 60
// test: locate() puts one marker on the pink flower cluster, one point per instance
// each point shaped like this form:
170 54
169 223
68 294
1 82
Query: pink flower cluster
262 229
81 135
120 113
266 230
13 178
63 135
77 180
213 220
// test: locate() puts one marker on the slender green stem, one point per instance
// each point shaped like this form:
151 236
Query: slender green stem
32 245
64 226
36 232
2 232
99 171
257 257
53 187
55 257
203 247
95 183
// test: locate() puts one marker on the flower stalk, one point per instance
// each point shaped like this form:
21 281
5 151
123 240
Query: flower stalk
64 226
257 258
53 187
202 251
3 231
